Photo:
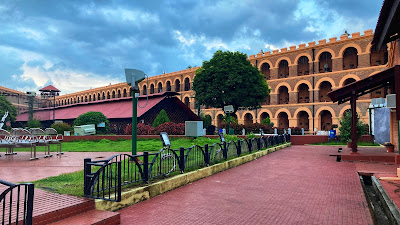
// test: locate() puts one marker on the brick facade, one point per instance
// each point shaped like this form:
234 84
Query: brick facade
330 65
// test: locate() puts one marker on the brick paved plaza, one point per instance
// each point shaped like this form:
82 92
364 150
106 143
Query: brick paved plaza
296 185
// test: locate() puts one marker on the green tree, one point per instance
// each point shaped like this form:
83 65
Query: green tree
93 118
345 127
6 105
34 123
230 79
61 127
207 120
266 121
161 118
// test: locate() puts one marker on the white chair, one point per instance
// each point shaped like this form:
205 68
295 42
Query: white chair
6 141
41 140
54 138
23 139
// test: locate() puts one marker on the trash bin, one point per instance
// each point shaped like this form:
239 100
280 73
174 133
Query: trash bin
332 134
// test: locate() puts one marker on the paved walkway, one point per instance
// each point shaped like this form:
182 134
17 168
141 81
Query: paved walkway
18 168
296 185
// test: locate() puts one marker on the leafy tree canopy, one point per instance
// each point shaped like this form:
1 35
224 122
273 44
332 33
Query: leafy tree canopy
345 127
6 105
230 79
93 118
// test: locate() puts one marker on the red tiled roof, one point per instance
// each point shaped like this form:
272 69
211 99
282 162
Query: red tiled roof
49 88
112 109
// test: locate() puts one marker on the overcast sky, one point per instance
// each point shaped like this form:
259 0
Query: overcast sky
82 44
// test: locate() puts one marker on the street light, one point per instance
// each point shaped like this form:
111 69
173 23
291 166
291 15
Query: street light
133 77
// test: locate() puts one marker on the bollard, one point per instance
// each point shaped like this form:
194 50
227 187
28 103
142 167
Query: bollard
86 171
243 131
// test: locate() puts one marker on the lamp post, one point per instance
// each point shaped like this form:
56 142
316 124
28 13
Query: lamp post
133 77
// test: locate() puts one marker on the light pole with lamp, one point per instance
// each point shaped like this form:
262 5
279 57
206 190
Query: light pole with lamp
133 77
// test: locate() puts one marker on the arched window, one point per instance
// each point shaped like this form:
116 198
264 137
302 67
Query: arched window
177 85
159 87
283 95
186 101
151 88
283 120
303 121
104 96
265 69
264 116
303 67
303 94
119 94
379 58
324 88
248 119
168 86
85 98
125 95
113 94
283 70
350 58
108 95
144 91
325 62
78 99
326 120
348 81
220 120
187 84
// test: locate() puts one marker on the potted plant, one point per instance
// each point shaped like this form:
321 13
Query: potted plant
389 147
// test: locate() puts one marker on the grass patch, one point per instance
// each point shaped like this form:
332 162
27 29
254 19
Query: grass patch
104 145
345 143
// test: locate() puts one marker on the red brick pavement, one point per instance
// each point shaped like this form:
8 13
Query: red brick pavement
18 168
296 185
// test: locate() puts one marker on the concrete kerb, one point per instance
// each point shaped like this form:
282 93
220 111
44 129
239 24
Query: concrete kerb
139 194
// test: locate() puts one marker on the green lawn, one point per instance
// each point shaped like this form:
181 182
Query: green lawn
104 145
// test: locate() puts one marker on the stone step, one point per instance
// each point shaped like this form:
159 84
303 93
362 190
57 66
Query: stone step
95 217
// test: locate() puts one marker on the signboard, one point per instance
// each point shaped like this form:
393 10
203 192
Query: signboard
165 139
228 109
101 125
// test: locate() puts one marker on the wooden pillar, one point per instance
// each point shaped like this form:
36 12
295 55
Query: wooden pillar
353 123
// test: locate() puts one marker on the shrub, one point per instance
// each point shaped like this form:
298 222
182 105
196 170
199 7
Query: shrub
61 127
345 127
34 123
142 129
171 128
161 118
266 121
206 120
93 118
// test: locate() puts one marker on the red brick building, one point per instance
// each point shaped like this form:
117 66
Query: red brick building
299 78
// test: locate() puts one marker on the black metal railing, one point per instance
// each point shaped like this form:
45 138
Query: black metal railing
121 170
16 203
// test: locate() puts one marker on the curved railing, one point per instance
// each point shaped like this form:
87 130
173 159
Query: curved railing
105 178
16 203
